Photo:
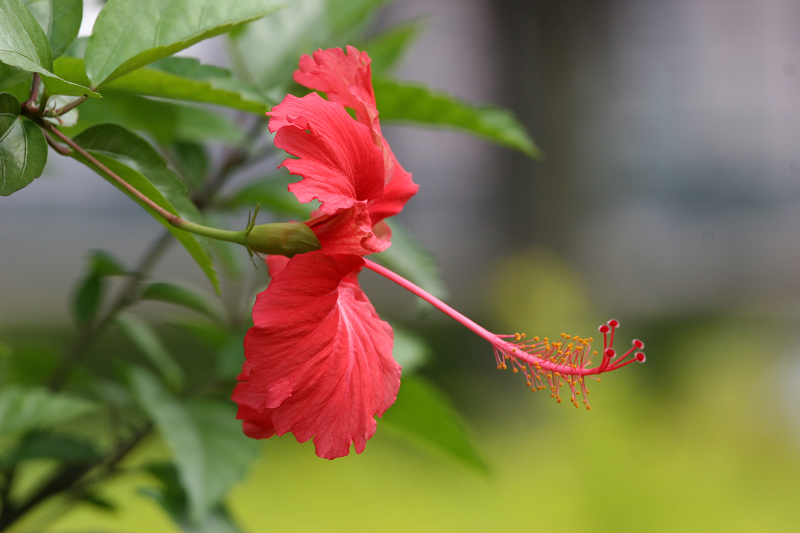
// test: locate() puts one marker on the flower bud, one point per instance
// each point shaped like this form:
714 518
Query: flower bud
282 238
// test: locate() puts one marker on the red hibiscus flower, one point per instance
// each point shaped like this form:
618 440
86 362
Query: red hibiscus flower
319 359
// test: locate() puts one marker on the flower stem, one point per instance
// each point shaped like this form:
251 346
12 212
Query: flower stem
238 237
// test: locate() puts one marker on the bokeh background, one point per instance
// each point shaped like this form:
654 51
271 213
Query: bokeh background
668 198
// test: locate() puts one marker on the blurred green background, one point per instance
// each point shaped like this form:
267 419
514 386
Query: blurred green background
668 199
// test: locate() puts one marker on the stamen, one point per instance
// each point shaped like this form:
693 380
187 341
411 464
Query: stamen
540 360
565 361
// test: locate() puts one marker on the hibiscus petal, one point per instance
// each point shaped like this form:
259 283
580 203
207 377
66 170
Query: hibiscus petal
343 78
320 356
276 263
256 419
338 160
398 190
348 232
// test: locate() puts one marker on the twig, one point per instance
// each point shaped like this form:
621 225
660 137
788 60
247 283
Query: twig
68 479
54 144
67 108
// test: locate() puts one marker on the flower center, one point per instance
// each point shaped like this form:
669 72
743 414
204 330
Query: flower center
551 364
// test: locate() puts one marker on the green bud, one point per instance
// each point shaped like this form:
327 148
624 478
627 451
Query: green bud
282 238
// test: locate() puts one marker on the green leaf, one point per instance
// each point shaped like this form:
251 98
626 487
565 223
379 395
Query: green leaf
104 263
60 19
29 364
185 297
173 500
24 44
300 28
228 452
23 409
213 334
177 78
210 452
273 195
423 414
409 350
167 122
179 431
226 343
139 164
89 293
419 105
128 35
86 301
386 48
191 160
345 15
23 150
185 78
146 339
15 81
63 448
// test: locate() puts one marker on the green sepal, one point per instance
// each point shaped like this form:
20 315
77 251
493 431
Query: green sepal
282 238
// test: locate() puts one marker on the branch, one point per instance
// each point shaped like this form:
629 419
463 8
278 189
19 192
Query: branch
67 108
